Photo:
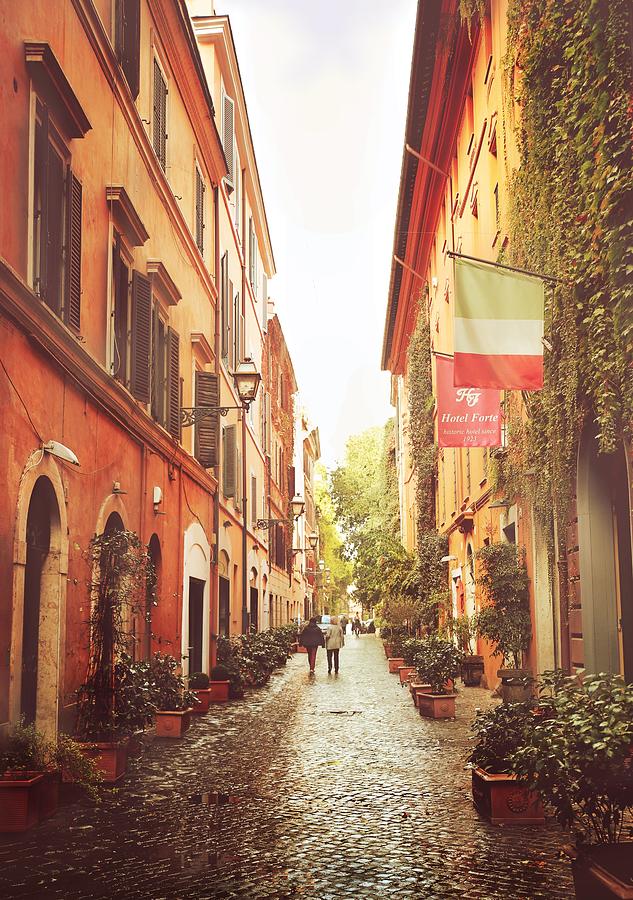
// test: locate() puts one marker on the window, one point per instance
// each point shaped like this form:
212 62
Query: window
238 332
57 222
226 291
207 393
159 367
253 499
127 18
159 130
229 461
200 217
121 314
252 255
237 209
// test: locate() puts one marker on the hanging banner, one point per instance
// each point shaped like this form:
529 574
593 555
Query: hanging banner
498 328
466 417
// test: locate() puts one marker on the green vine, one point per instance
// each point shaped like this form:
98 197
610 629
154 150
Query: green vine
568 66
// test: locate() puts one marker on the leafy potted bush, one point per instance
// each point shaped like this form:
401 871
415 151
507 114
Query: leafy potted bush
227 657
106 713
30 767
220 684
505 620
579 756
409 648
464 632
437 662
497 793
173 702
198 683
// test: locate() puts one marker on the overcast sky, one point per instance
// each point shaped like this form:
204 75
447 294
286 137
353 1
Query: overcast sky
326 89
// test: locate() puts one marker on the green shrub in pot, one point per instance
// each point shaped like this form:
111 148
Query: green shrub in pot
437 662
500 732
198 681
220 673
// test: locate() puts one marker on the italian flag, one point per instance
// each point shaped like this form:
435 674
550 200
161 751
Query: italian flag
498 328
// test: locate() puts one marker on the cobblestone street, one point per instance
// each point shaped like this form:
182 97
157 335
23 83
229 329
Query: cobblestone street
329 788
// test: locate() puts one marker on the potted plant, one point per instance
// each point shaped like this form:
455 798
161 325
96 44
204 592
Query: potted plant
113 700
437 663
579 756
409 648
464 632
505 620
227 657
198 683
220 684
498 795
173 702
30 768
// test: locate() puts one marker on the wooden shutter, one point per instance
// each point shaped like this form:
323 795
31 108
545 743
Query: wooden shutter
264 301
228 137
207 430
291 481
173 384
200 189
251 252
41 164
253 499
269 427
72 304
160 116
156 366
229 462
141 336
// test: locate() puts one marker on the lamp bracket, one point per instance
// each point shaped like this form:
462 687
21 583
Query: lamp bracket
267 523
189 415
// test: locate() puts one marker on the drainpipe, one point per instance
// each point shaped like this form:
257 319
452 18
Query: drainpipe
217 347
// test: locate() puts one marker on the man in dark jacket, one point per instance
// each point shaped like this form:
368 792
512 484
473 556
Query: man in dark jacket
312 638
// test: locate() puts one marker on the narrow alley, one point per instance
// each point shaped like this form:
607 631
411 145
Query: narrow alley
320 789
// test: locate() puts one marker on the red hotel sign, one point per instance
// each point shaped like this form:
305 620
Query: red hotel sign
466 417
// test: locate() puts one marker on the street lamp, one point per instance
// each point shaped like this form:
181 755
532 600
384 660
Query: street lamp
247 379
313 540
297 506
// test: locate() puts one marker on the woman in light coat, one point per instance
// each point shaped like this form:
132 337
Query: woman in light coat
334 640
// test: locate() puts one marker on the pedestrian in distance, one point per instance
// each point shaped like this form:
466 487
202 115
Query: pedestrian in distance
312 638
343 621
334 640
356 626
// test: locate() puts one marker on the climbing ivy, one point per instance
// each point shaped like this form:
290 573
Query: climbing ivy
568 68
421 436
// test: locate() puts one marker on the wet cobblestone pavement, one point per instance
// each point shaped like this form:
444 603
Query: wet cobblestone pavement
318 789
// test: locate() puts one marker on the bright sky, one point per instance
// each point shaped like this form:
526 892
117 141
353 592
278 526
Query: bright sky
326 89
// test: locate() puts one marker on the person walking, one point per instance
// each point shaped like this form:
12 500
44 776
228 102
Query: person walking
312 638
334 640
343 622
356 626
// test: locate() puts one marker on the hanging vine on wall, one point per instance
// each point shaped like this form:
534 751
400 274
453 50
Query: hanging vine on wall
570 214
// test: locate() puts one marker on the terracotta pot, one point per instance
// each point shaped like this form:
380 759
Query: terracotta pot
204 697
472 670
394 664
503 800
404 672
20 796
172 723
389 650
436 706
604 872
110 758
512 690
219 691
419 688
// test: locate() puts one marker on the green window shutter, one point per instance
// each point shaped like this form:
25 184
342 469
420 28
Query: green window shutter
228 137
72 303
173 384
141 336
200 189
253 499
159 134
225 308
41 199
229 461
207 429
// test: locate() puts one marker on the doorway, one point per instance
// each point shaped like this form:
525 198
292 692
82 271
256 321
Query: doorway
224 606
254 620
606 573
196 615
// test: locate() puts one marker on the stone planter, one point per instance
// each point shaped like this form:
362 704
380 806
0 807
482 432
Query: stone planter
389 649
604 872
404 673
219 691
513 688
204 698
172 723
436 706
472 670
394 664
504 801
110 758
20 795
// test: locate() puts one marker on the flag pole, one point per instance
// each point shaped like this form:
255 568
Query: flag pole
497 265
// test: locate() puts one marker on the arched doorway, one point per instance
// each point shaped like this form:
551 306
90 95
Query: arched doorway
254 601
606 574
151 597
39 592
113 523
196 611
